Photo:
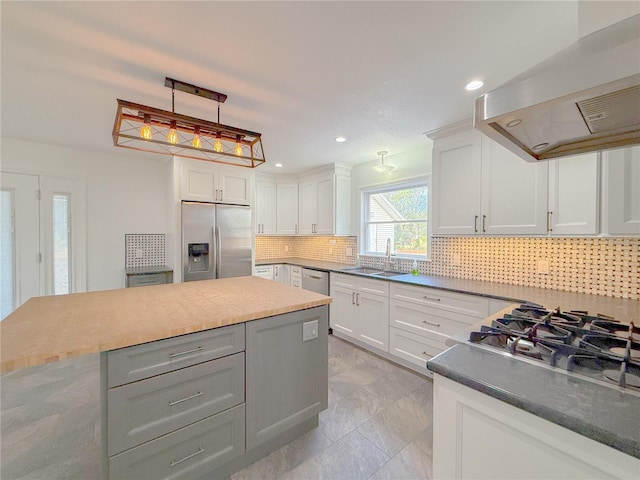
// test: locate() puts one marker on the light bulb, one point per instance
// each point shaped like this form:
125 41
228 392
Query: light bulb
196 138
145 131
172 137
238 149
217 145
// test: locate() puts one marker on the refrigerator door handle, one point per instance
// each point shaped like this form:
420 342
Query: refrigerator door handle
218 248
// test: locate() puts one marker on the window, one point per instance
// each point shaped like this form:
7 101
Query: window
399 213
61 244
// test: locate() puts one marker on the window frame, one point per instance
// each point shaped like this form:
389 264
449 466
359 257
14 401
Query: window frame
366 192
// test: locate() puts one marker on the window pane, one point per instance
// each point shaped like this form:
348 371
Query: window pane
398 205
410 238
61 244
7 249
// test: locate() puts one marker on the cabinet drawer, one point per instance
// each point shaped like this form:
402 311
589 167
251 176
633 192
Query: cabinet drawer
454 302
190 452
343 280
413 348
154 358
147 279
427 321
141 411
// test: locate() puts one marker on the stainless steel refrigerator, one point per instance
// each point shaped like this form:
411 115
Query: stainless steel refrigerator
216 241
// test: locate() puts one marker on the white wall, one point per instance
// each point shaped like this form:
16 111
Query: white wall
409 165
127 192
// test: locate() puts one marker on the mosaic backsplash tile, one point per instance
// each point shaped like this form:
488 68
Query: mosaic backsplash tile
144 250
599 266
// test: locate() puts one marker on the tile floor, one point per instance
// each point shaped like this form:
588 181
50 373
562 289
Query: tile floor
377 426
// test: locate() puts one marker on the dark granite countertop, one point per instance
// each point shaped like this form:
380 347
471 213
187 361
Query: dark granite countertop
623 309
147 270
606 415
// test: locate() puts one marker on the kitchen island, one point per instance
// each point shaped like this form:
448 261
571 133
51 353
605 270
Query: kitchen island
198 379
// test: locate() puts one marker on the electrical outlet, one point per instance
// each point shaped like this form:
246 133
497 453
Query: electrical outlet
542 267
349 252
456 260
286 248
332 241
310 330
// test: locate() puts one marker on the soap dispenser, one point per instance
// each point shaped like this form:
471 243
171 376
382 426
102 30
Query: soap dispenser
414 268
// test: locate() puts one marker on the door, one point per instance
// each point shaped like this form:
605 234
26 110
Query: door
373 320
266 208
198 253
342 311
20 240
287 209
235 185
622 194
308 205
325 207
233 241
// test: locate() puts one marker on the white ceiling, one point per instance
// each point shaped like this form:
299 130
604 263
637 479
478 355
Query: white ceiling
301 73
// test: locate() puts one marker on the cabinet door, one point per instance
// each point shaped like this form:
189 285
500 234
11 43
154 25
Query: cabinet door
343 311
622 194
308 205
287 209
281 273
199 182
266 200
574 186
235 185
514 193
455 184
290 387
373 320
325 208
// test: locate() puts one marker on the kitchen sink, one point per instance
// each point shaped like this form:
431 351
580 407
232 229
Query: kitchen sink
364 270
387 274
374 272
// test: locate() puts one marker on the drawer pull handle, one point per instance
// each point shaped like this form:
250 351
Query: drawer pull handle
195 395
193 350
176 462
433 299
429 323
425 353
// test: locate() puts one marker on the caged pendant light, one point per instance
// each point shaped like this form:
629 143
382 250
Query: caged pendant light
149 129
382 168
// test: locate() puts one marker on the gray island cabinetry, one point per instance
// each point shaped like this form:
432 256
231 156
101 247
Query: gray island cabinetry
176 408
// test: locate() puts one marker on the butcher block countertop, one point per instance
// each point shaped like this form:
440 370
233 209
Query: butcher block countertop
48 329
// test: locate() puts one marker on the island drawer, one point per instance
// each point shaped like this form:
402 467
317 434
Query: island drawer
472 305
153 407
190 452
154 358
427 321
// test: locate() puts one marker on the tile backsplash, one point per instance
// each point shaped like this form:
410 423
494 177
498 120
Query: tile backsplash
144 250
599 266
316 248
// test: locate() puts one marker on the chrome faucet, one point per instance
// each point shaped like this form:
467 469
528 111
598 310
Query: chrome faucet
388 254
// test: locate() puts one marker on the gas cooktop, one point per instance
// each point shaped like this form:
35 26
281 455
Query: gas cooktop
597 348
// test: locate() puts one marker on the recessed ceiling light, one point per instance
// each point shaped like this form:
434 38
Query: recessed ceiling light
278 165
514 123
340 139
540 146
474 85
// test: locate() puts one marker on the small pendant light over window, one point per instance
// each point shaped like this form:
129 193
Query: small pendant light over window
382 168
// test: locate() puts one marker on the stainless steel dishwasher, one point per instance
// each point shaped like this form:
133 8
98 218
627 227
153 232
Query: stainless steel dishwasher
315 281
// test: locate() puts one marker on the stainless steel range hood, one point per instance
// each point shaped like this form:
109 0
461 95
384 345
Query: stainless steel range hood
585 98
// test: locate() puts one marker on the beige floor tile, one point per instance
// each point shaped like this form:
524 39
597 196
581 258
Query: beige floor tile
411 463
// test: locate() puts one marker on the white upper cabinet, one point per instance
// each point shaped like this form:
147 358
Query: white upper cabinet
266 201
324 205
622 191
455 184
211 182
514 193
308 207
287 209
574 195
479 187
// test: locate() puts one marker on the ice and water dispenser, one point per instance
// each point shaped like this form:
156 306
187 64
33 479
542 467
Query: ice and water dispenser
198 257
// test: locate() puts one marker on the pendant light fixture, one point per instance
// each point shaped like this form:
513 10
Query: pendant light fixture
382 168
149 129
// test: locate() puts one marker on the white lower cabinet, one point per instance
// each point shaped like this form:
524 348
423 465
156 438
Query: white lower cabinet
360 309
295 278
476 436
264 271
282 273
